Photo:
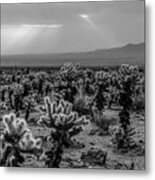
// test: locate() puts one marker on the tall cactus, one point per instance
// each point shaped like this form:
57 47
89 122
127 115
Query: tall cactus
64 124
3 93
28 105
68 76
129 76
102 80
123 136
18 94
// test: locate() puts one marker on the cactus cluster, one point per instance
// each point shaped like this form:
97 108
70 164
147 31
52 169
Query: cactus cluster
68 76
64 124
69 71
59 100
17 139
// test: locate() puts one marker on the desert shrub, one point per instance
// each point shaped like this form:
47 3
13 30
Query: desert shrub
94 156
99 119
80 105
17 140
139 104
81 99
124 166
64 125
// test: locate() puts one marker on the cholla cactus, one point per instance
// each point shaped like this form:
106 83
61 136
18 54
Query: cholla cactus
3 91
122 139
41 77
66 80
139 95
69 71
102 80
47 88
89 80
15 94
27 86
16 140
129 76
61 117
28 105
64 124
113 90
17 76
3 106
100 76
18 95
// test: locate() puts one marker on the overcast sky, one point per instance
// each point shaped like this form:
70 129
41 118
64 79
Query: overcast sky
70 27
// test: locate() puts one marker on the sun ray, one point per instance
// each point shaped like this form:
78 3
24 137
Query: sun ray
20 36
87 18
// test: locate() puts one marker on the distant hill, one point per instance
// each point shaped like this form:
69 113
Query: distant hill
131 53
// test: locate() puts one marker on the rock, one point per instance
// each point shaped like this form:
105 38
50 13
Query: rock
94 156
93 132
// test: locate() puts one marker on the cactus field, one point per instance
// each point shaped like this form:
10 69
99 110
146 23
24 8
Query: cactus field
73 117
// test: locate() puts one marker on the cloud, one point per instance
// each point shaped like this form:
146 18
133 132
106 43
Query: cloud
70 27
43 25
28 37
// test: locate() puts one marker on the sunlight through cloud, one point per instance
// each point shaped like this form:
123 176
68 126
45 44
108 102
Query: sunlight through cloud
43 25
87 18
23 35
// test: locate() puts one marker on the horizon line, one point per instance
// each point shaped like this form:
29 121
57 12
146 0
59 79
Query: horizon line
74 52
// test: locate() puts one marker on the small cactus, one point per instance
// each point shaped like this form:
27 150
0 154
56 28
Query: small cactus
123 140
16 140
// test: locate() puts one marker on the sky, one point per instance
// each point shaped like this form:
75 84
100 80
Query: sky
70 27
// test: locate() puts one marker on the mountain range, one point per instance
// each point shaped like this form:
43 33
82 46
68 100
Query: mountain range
129 54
